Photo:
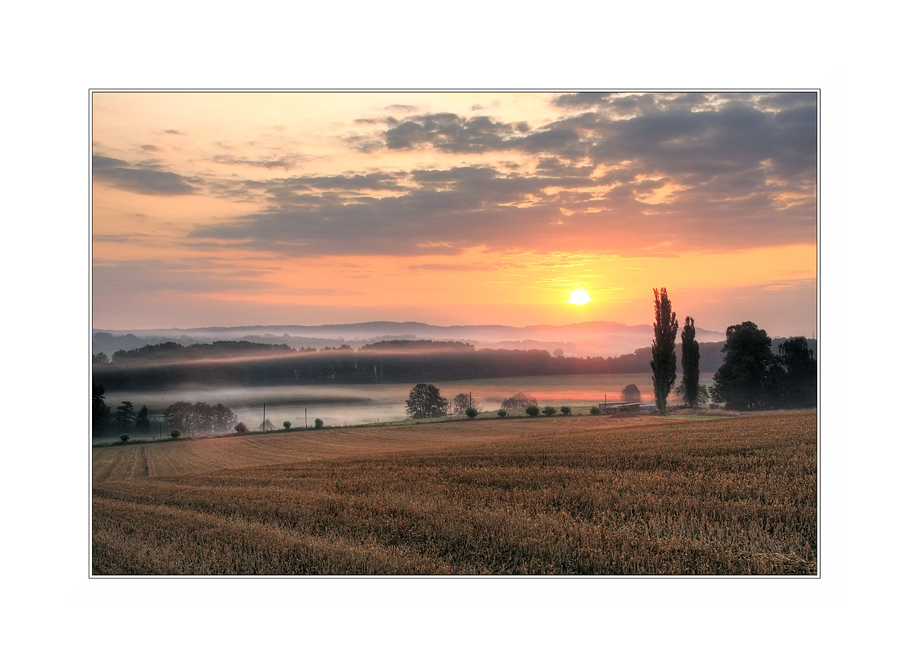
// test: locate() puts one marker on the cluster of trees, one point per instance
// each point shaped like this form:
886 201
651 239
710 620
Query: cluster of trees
425 400
125 419
751 376
170 351
631 394
390 361
518 401
199 417
180 417
420 345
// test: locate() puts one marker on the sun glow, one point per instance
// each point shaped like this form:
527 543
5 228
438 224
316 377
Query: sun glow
579 297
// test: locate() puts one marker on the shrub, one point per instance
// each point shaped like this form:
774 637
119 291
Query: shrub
502 413
287 425
549 411
594 410
631 394
532 410
565 410
241 428
175 433
471 412
318 423
124 437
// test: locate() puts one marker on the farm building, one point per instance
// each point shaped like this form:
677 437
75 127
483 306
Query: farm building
615 407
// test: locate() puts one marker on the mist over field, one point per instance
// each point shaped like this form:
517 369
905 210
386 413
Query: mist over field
340 405
582 339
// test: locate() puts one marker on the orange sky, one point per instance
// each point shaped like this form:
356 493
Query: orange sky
456 208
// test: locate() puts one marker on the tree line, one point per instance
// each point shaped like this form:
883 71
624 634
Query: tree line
171 351
751 377
178 418
400 362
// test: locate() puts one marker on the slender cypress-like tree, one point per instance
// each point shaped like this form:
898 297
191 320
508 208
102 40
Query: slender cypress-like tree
691 357
665 327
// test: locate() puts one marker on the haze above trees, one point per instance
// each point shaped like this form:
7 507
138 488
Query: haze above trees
581 339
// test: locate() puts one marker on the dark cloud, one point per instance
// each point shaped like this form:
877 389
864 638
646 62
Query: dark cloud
174 132
581 100
284 162
646 174
315 190
451 133
149 147
143 179
444 212
558 168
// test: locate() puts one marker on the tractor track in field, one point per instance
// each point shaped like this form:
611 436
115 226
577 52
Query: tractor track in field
141 462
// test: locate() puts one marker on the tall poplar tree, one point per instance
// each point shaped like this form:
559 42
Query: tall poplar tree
691 357
665 327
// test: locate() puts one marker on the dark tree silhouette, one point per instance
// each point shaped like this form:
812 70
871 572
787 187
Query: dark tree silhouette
181 416
143 425
691 357
223 418
125 416
100 411
742 381
518 401
665 327
461 403
631 394
796 375
200 417
426 401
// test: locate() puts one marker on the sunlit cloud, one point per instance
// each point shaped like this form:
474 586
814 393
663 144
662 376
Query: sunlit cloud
545 192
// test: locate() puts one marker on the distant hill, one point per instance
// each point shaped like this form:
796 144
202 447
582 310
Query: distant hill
404 361
607 339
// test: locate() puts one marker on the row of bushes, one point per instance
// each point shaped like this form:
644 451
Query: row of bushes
239 427
534 411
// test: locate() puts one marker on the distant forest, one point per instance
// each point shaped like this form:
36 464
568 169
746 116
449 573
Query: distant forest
242 363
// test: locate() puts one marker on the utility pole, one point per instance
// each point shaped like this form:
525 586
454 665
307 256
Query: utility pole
305 420
263 416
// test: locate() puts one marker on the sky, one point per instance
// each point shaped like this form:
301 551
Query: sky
244 208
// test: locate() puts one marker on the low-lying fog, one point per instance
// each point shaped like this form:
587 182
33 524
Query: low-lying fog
340 405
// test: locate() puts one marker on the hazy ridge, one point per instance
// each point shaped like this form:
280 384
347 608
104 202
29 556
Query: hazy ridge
581 339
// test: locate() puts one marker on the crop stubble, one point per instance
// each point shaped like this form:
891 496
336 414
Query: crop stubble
532 496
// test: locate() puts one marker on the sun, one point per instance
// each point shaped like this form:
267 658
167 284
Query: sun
579 297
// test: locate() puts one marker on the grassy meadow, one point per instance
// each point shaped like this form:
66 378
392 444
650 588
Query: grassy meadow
546 496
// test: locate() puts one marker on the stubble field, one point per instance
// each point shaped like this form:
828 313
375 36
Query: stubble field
545 496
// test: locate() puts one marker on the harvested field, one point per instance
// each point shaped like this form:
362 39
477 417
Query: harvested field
649 496
167 458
